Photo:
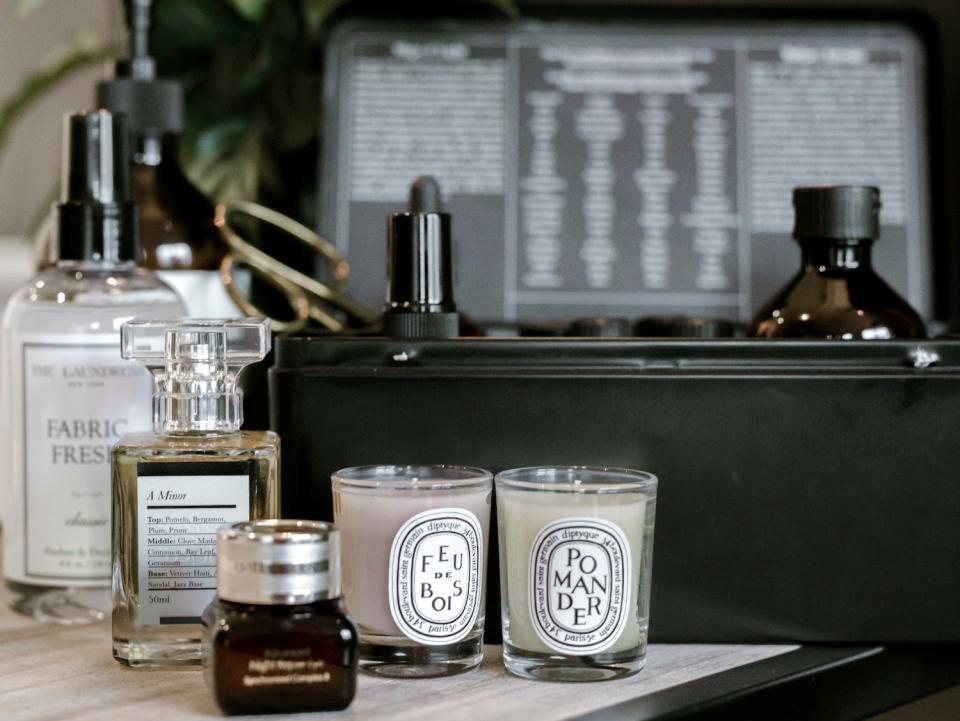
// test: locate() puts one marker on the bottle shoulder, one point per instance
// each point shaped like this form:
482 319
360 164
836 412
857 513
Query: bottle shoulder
94 286
233 444
177 221
838 305
327 617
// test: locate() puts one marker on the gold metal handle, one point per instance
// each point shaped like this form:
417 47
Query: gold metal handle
308 297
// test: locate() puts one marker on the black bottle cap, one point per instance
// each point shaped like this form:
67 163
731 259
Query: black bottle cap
95 219
419 268
836 212
152 106
600 327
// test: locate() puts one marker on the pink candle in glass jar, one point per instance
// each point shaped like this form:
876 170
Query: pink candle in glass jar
414 550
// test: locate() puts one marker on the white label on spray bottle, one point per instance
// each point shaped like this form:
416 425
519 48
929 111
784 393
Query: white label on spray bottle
77 401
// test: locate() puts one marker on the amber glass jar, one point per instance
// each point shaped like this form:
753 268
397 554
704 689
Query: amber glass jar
837 294
277 638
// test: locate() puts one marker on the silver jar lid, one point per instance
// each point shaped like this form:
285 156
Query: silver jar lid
278 562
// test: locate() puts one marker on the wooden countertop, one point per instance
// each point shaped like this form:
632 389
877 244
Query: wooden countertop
56 673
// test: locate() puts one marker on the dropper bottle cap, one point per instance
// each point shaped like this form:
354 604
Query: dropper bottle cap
95 219
420 269
195 364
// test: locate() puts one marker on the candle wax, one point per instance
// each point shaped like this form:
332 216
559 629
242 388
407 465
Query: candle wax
524 514
369 519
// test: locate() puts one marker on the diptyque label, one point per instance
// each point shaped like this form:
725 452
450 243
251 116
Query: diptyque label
580 585
435 575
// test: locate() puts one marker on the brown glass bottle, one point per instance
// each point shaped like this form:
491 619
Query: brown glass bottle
277 638
176 220
837 294
179 238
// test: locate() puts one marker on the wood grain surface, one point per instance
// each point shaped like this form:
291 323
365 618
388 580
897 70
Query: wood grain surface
60 673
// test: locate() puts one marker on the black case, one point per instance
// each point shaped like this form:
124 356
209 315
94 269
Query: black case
809 491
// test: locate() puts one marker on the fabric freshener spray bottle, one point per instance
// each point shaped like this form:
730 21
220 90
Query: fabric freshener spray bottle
67 394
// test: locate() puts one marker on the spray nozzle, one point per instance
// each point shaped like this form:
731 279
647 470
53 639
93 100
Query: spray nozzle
95 219
195 364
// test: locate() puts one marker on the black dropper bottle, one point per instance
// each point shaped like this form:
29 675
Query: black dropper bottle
177 227
419 268
837 294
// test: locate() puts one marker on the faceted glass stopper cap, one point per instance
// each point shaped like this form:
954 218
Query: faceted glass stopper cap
195 364
233 343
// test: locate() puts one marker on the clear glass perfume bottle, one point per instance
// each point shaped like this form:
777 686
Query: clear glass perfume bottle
173 489
66 392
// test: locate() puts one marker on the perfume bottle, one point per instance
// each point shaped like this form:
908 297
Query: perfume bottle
837 294
66 392
277 638
173 489
179 238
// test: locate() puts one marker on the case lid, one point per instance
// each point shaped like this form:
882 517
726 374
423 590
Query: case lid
626 168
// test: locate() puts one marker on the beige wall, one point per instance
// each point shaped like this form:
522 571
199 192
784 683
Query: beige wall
29 163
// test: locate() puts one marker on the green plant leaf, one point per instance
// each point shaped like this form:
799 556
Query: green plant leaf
27 7
316 11
253 10
508 7
85 53
295 101
223 160
189 25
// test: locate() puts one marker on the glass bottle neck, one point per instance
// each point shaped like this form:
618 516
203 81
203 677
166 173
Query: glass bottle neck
837 255
190 409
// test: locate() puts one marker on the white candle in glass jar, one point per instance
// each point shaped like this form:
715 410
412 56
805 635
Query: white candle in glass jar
575 555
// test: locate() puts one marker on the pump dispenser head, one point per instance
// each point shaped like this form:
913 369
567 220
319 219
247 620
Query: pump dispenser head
154 105
195 364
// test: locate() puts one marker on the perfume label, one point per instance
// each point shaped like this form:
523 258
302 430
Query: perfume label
580 585
180 508
436 562
77 401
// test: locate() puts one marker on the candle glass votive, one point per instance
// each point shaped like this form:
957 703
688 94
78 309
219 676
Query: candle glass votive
414 548
576 549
